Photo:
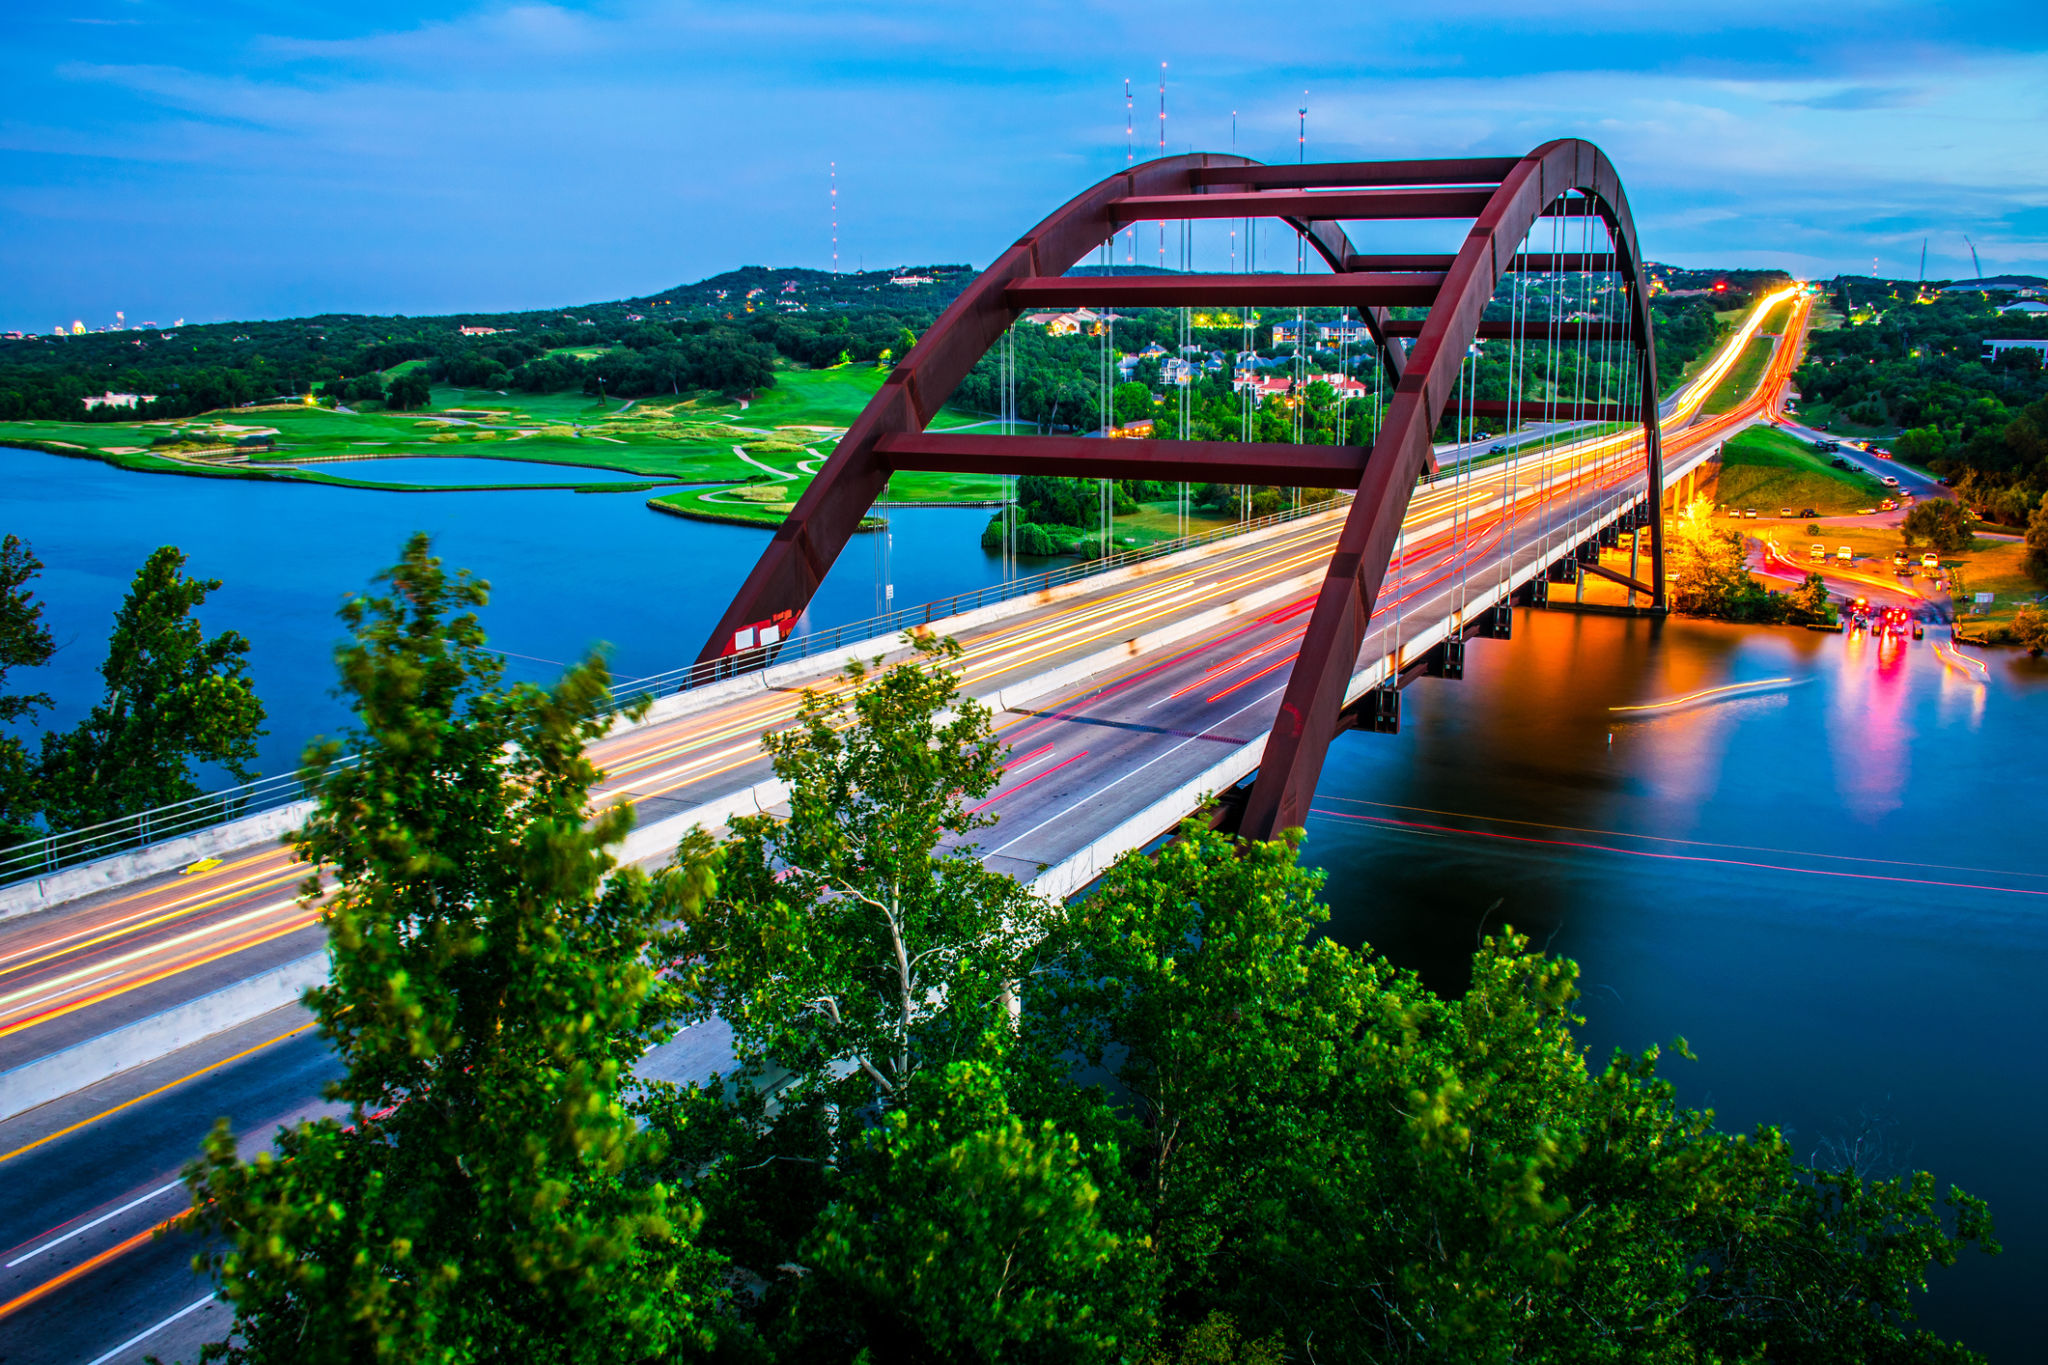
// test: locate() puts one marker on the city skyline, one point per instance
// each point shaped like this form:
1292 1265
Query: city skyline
223 161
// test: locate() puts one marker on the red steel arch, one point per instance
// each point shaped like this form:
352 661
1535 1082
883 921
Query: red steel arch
1504 197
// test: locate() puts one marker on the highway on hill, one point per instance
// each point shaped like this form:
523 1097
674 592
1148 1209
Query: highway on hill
1136 689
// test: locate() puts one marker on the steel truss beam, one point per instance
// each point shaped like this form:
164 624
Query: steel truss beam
1086 457
1567 178
1415 289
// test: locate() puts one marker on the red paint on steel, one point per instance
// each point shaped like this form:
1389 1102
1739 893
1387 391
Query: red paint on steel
1372 205
1093 458
1310 713
889 434
1416 289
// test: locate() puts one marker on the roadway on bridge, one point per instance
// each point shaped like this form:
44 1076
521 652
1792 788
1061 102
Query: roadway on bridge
1085 757
76 971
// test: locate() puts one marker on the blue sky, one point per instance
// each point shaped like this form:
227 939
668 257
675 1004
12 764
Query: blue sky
222 160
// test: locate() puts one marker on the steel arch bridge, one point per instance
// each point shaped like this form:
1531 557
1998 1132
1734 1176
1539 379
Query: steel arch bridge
1504 198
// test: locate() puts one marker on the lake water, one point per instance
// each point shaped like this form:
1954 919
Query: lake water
1835 888
568 571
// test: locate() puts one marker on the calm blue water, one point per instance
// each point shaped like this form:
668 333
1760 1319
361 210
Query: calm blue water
569 571
430 472
1834 892
1843 907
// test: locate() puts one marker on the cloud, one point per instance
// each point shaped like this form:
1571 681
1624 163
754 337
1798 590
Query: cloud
525 154
1857 97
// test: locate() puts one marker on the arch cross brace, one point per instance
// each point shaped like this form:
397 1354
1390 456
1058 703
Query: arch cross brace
1502 196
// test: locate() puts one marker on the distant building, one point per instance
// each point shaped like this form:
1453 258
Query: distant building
1351 331
1176 371
1997 284
909 280
117 400
1068 324
488 331
2027 306
1287 334
1992 349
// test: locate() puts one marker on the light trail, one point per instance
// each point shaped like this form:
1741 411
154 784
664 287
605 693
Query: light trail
1744 688
1427 828
1472 513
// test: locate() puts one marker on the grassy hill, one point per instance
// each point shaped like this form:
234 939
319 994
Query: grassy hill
1762 467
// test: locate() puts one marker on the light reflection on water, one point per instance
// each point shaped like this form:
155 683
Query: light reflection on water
1838 892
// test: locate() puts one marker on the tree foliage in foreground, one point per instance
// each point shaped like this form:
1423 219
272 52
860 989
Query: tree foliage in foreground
1174 1123
174 697
488 1197
25 642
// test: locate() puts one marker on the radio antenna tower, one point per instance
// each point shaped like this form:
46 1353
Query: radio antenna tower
835 217
1162 152
1233 230
1301 137
1130 159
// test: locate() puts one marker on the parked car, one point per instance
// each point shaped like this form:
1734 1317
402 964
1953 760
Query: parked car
1846 555
1868 512
1900 559
1808 512
1482 436
1890 481
1784 511
1931 562
1749 512
1818 551
1886 505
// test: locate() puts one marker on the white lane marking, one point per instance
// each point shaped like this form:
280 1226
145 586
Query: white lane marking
207 931
88 1227
146 1334
74 986
1259 700
1028 763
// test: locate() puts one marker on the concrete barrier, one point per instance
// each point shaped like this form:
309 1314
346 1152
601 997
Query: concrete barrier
132 1045
249 832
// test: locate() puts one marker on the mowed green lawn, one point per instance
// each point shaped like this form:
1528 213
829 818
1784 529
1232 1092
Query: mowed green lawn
703 438
1764 468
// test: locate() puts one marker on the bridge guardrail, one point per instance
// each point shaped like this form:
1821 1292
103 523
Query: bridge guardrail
67 848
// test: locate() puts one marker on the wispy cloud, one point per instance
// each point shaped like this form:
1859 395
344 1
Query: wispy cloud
509 154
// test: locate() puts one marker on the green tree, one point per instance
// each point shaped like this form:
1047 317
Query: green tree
1811 600
2030 629
1942 522
1192 976
1132 402
1921 445
409 391
961 1232
24 643
174 698
2036 560
1449 1175
1710 576
863 935
489 1198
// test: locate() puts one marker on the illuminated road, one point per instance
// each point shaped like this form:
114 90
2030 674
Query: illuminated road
1133 729
74 972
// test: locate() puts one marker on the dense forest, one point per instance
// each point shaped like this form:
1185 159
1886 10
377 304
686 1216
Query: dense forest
1919 367
722 334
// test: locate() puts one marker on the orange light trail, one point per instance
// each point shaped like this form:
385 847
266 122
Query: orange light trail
1707 692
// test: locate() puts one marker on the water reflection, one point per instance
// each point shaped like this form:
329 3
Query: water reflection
1837 892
